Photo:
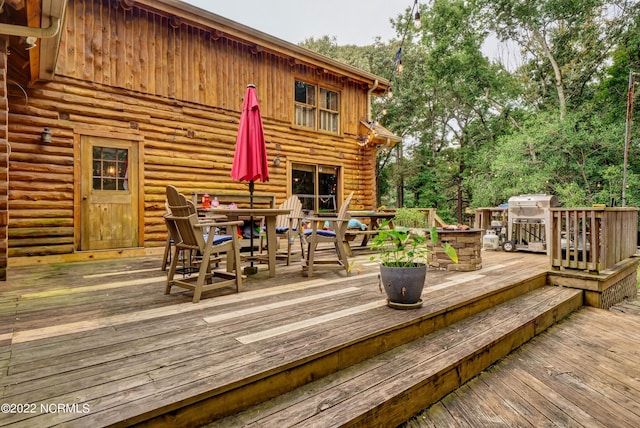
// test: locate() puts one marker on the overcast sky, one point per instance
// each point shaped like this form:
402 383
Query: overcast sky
355 22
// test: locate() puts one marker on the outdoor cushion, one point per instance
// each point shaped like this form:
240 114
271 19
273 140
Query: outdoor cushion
218 239
279 229
321 232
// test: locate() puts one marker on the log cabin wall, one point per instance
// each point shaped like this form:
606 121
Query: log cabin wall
4 159
176 89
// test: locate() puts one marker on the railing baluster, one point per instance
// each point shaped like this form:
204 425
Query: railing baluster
596 238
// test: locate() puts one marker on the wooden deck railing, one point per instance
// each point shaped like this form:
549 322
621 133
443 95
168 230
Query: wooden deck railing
592 239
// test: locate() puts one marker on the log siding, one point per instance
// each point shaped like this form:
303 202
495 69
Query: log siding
4 158
177 88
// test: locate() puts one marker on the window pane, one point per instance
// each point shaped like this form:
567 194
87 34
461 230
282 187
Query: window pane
110 168
328 99
305 116
305 93
329 121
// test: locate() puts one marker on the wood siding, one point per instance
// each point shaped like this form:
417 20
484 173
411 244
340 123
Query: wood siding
179 92
4 158
141 51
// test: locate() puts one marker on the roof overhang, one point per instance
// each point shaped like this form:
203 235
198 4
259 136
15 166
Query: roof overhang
41 20
377 135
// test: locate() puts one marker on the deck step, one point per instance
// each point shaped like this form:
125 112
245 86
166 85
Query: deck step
389 388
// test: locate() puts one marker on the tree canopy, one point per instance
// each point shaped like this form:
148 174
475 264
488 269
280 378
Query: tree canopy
477 130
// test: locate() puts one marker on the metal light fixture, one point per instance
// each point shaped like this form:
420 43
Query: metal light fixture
45 136
277 161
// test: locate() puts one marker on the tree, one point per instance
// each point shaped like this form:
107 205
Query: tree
565 42
475 133
446 100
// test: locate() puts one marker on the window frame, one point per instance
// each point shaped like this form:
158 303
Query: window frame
321 112
317 198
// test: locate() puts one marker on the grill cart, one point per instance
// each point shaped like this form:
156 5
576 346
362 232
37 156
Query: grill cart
527 219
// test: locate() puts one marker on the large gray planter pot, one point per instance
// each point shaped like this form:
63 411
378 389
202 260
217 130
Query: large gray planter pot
403 285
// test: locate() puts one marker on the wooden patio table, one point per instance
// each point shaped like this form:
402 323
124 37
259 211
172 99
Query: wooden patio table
269 215
375 218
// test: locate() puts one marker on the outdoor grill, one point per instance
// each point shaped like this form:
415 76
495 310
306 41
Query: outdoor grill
527 219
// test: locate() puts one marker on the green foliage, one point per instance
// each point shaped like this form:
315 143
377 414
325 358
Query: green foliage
411 218
476 132
402 247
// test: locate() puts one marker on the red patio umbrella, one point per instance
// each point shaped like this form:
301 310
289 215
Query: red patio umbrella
250 158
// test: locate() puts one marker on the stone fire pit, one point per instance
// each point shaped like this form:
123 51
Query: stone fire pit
468 244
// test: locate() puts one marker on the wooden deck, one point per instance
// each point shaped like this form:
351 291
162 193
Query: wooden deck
582 372
98 344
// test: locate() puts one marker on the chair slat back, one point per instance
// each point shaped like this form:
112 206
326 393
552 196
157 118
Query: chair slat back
293 204
185 218
344 208
344 215
178 204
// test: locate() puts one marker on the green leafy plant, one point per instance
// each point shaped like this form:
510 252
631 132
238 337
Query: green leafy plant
403 247
411 218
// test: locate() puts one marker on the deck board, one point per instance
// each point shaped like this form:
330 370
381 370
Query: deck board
582 372
104 334
432 357
87 333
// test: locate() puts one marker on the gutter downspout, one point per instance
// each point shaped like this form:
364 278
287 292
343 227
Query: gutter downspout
369 92
40 33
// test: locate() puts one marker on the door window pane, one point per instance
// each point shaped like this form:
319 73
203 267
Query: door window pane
303 185
110 168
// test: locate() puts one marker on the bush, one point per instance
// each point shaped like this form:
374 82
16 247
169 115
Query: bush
411 218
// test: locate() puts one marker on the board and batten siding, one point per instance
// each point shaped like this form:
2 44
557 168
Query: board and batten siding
141 51
178 91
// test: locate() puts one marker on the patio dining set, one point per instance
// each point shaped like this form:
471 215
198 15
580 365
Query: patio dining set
200 237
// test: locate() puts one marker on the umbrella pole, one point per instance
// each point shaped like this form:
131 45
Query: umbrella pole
251 270
251 187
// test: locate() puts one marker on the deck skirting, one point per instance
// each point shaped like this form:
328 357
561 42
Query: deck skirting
625 289
605 289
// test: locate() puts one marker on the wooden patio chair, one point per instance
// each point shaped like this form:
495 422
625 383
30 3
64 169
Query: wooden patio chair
173 236
286 227
310 238
191 234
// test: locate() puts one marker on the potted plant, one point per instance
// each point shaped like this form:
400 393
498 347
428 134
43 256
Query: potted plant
402 254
